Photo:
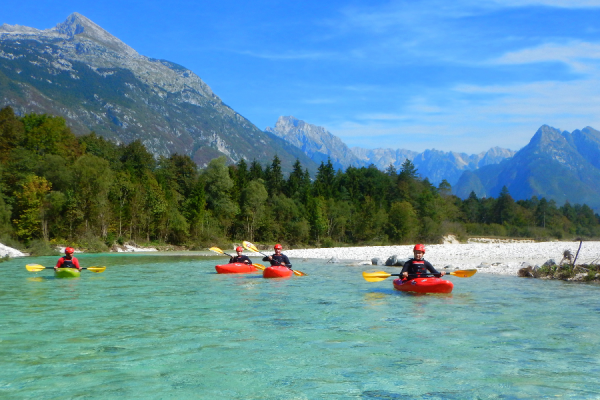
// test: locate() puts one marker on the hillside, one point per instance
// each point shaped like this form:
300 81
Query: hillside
96 82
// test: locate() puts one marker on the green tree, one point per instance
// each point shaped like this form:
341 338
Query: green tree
256 171
274 177
93 179
317 218
195 209
504 211
12 131
30 200
46 134
218 187
324 181
137 160
255 196
402 222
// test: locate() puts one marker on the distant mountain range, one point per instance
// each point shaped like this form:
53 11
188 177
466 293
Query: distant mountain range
96 82
557 165
321 145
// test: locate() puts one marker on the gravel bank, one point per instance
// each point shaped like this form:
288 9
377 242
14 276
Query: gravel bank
494 257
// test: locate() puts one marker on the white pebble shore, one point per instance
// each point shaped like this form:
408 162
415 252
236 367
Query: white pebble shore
494 257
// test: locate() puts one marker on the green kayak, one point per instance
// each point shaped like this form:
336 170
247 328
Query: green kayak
66 273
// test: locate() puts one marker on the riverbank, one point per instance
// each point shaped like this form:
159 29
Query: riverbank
494 257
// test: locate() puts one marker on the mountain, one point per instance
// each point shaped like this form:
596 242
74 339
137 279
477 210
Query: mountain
81 72
316 142
438 165
382 158
556 165
320 145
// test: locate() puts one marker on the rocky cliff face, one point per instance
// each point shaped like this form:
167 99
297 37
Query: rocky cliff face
98 83
316 142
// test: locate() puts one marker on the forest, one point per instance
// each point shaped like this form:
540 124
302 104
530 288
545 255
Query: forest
91 193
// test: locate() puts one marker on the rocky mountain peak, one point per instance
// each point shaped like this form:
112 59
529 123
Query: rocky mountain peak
78 25
315 141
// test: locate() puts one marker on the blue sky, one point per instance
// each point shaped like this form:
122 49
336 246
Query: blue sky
462 75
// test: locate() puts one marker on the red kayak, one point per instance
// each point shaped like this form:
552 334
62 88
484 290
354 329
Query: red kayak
424 285
235 268
277 272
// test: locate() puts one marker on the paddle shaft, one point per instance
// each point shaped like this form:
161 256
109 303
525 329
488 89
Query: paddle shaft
415 275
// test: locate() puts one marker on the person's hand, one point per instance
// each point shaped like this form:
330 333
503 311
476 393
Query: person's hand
443 273
405 274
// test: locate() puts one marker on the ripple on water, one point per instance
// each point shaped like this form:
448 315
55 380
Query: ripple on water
169 327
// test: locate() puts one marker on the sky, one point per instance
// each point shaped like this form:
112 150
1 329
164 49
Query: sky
460 75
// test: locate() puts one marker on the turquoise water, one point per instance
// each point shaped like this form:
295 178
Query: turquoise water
169 327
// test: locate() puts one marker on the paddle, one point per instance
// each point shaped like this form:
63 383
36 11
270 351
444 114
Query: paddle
218 250
381 275
38 268
251 247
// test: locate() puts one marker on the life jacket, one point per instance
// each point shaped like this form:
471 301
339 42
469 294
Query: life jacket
418 268
67 263
280 259
240 259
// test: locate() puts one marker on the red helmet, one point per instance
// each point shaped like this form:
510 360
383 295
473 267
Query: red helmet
278 247
69 250
239 248
419 247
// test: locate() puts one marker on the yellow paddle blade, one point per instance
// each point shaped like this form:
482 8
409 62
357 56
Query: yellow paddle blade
464 273
96 269
217 250
260 266
375 276
34 267
298 273
250 246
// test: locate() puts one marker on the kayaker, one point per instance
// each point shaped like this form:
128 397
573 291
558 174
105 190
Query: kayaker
417 266
68 261
240 258
278 258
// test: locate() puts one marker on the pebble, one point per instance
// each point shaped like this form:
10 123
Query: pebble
493 257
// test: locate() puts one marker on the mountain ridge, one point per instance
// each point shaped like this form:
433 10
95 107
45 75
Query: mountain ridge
551 165
321 145
81 72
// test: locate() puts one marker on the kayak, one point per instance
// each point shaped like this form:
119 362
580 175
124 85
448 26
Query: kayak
277 272
424 285
235 268
66 273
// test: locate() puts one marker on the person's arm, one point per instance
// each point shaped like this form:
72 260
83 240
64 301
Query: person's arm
271 260
59 263
433 270
76 263
231 260
286 261
247 260
405 269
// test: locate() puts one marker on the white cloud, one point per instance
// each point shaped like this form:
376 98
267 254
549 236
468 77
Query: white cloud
574 53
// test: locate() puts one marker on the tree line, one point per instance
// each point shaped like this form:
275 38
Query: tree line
92 192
